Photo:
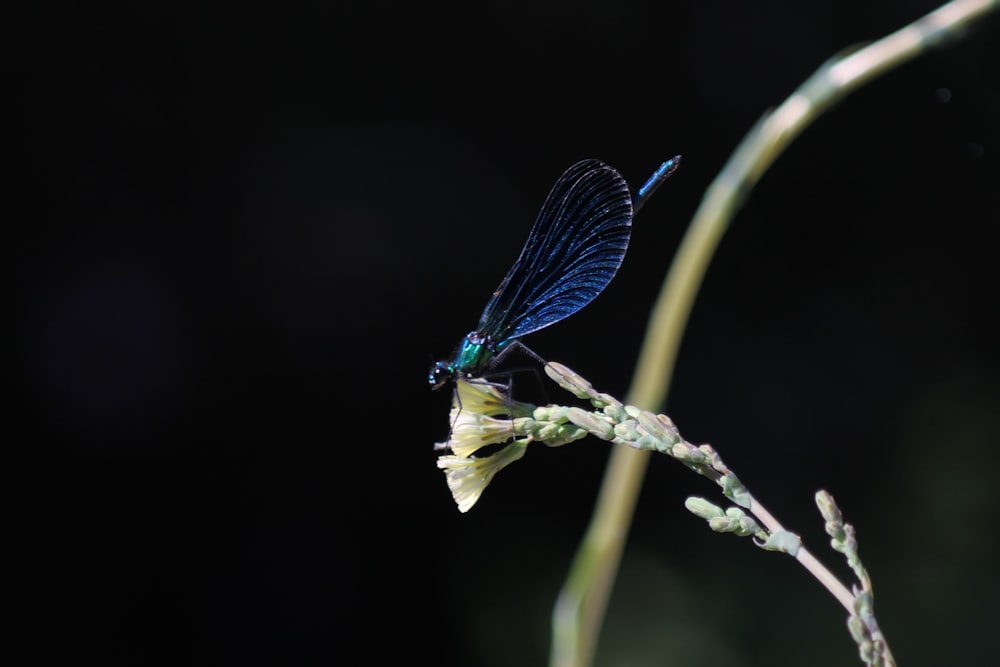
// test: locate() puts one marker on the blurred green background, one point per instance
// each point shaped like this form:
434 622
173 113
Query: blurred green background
242 233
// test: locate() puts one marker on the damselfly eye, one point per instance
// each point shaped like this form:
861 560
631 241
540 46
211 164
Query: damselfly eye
439 374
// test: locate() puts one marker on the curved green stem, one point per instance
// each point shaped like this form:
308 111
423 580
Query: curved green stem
580 608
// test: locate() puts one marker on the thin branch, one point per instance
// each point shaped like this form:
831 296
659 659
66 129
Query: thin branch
580 609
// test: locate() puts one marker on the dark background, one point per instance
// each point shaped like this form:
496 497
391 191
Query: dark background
242 233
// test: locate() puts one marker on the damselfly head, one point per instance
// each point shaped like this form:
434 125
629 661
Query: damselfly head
439 374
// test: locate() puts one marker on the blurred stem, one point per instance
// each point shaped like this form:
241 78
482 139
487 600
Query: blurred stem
580 608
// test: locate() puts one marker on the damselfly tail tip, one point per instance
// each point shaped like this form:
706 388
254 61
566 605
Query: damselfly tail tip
662 173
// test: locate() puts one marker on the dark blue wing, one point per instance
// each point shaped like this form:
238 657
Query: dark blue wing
573 251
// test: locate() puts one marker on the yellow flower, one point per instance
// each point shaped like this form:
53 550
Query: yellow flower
484 398
481 415
468 476
473 431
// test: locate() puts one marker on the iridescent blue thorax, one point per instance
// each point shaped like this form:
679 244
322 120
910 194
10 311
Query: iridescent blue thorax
470 359
472 354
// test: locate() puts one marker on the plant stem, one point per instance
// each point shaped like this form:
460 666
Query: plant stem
579 611
807 560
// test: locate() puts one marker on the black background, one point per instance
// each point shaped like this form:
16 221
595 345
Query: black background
242 233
